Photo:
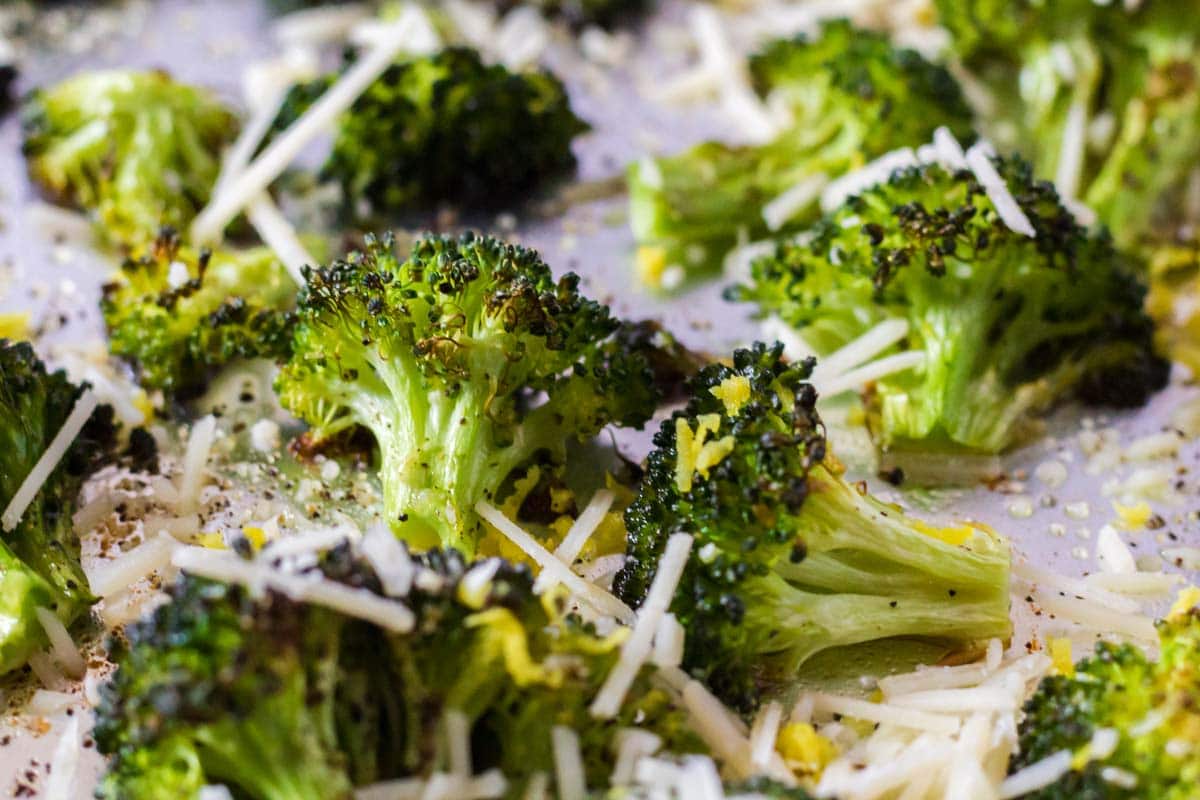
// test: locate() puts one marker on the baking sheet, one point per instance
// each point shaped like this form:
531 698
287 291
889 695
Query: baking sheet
210 42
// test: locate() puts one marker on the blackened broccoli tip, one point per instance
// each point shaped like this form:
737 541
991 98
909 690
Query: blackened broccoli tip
852 96
790 559
582 13
468 362
1009 324
446 129
177 314
135 149
1148 705
279 699
40 557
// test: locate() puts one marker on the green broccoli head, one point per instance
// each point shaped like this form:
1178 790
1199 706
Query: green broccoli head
135 149
39 558
581 13
220 686
502 134
468 362
1008 324
176 314
281 700
1105 99
789 559
853 96
1149 705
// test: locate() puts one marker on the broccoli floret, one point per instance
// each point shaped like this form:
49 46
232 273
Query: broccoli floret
1149 705
467 362
280 700
137 150
1106 99
853 96
176 314
39 557
446 128
789 559
1008 324
581 13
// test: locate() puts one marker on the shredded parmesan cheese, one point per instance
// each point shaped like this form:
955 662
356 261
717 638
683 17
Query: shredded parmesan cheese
568 764
61 645
979 162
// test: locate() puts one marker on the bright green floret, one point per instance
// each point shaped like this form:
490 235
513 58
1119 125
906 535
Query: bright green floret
39 558
1150 705
446 129
788 558
1008 324
468 362
282 700
1105 99
177 314
136 150
852 95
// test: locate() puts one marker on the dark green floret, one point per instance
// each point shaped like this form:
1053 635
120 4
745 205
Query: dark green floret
177 314
1009 324
281 700
39 558
1149 704
788 558
468 362
852 96
136 150
446 129
581 13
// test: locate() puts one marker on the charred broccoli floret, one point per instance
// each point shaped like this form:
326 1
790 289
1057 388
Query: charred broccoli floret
282 700
468 362
445 128
39 556
1008 324
176 314
137 150
853 96
1104 97
580 13
789 559
1148 706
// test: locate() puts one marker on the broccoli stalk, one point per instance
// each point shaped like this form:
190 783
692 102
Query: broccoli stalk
176 315
1007 324
852 96
137 150
445 128
789 559
1120 689
39 558
468 363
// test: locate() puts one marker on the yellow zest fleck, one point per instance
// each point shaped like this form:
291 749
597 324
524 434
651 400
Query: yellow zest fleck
14 325
805 750
694 453
833 463
1188 599
1060 656
141 401
211 540
255 535
876 696
507 633
734 392
954 535
1133 517
1081 757
650 263
561 499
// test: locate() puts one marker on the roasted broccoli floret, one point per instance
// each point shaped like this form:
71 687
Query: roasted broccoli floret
137 150
468 362
1105 97
788 558
445 128
39 557
580 13
1008 324
176 314
1148 706
281 700
852 95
